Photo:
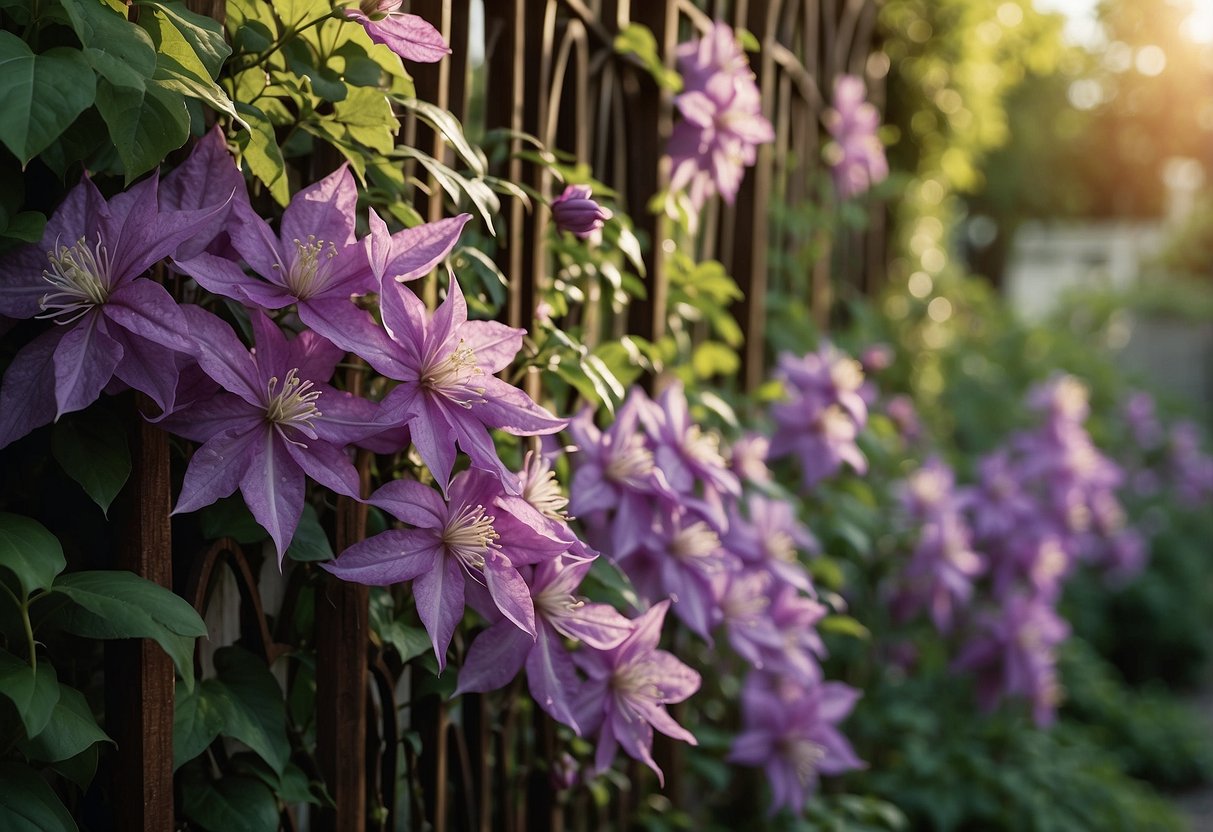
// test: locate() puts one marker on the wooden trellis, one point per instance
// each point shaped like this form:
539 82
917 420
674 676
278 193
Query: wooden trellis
550 70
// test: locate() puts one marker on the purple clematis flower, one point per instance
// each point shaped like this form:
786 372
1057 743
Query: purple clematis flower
448 393
574 211
409 36
628 686
86 275
315 262
277 421
770 536
208 178
498 653
722 123
856 156
792 732
451 543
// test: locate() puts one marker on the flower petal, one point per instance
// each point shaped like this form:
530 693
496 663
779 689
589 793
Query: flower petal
353 330
223 277
148 367
147 309
27 396
411 502
409 36
510 592
412 252
215 469
494 658
273 490
512 410
388 558
552 678
328 466
439 597
221 355
84 363
325 210
494 344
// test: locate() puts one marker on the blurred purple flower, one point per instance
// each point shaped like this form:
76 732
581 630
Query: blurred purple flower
628 687
792 732
1141 417
722 123
574 211
409 36
856 155
768 535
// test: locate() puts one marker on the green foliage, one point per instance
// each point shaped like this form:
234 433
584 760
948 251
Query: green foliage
28 804
637 40
93 451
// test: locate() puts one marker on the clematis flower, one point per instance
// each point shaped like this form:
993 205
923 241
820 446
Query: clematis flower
208 178
409 36
770 536
277 421
574 211
744 604
792 732
315 262
498 653
856 155
448 393
86 275
450 544
628 687
722 123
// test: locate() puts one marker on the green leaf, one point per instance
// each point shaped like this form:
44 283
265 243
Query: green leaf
35 694
82 768
26 226
637 39
117 49
179 68
203 34
712 358
116 604
230 517
260 151
368 118
258 713
199 714
30 552
40 95
28 804
310 543
145 125
71 730
233 804
449 128
844 625
92 449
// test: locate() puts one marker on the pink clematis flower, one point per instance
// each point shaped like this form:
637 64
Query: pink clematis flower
409 36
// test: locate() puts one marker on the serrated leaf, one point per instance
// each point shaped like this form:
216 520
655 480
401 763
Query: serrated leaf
40 95
28 804
92 450
72 729
117 604
233 804
31 553
34 694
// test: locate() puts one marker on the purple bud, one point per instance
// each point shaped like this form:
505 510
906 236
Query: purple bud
575 212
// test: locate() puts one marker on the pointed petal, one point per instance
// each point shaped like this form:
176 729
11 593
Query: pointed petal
84 363
208 177
148 367
207 417
313 355
215 469
660 719
325 210
346 419
221 355
22 288
552 678
411 502
494 344
512 410
353 330
600 626
273 490
448 319
434 438
388 558
409 36
147 309
510 592
647 633
226 278
414 252
327 465
27 395
478 445
404 317
439 597
636 736
494 658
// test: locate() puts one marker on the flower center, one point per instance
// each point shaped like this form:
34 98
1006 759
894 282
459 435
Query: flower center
555 604
293 404
703 447
469 536
697 540
779 545
543 492
805 756
79 276
309 273
632 682
631 464
452 376
835 424
847 374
